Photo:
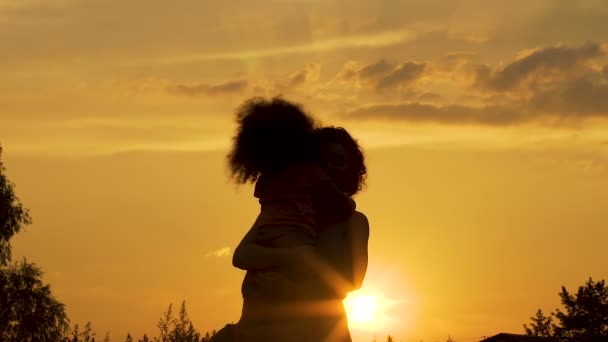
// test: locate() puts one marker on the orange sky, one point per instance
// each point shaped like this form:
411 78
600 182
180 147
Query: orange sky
484 126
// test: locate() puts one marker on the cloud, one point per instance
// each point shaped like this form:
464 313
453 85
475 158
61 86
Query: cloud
577 99
566 103
382 74
429 97
548 62
559 84
299 80
404 74
556 85
375 70
328 45
310 73
220 252
448 114
369 74
201 89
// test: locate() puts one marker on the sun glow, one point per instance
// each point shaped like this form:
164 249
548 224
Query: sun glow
363 309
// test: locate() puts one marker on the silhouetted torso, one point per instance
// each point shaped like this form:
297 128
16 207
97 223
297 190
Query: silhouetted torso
315 312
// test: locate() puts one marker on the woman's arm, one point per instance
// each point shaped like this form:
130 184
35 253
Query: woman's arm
340 260
344 248
250 255
357 237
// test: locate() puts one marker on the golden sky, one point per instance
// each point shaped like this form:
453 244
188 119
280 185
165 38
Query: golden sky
484 125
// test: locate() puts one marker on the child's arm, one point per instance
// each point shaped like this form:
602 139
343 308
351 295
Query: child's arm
251 255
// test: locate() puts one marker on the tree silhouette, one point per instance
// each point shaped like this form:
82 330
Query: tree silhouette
164 325
171 329
145 338
541 325
207 336
28 311
13 216
177 329
87 335
586 312
585 315
184 330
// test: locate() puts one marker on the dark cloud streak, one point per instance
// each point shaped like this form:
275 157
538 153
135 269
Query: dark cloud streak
557 59
404 74
200 89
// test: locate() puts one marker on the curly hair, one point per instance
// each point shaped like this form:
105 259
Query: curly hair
271 134
353 179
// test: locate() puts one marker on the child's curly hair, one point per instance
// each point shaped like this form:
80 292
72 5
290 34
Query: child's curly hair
353 179
270 134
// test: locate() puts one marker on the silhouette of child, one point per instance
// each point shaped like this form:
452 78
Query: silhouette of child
275 147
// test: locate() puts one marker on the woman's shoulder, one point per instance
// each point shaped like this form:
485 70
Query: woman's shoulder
359 221
360 218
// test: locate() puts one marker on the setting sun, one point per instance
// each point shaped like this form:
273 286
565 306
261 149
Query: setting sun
363 309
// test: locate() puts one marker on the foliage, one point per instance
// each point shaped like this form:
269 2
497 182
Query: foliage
75 335
144 338
178 329
28 310
585 314
13 216
541 325
171 329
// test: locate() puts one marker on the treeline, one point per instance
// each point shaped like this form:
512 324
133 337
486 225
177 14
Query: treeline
171 328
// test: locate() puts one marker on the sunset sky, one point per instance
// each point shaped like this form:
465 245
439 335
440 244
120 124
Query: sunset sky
485 126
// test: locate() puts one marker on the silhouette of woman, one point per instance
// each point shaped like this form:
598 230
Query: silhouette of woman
298 269
338 266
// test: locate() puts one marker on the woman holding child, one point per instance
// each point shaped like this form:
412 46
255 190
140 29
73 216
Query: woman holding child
308 247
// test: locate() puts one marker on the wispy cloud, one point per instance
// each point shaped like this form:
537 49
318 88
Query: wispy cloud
220 252
448 114
368 40
404 74
201 89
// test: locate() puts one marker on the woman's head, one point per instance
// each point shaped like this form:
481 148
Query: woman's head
270 135
342 157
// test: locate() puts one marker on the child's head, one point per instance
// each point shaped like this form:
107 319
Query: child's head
342 158
270 134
